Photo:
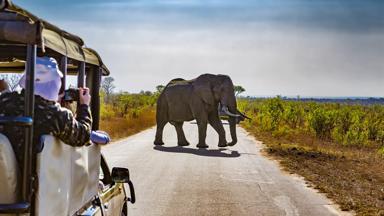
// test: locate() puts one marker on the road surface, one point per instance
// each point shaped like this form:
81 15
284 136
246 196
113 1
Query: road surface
238 180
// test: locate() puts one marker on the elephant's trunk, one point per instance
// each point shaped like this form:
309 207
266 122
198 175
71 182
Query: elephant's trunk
231 111
243 116
232 126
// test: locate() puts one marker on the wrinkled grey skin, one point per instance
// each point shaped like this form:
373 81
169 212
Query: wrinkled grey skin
185 100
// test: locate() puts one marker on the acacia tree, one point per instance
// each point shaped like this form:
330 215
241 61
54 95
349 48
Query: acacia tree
160 88
238 90
107 87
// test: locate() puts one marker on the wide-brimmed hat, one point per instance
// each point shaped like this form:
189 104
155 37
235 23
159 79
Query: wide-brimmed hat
47 78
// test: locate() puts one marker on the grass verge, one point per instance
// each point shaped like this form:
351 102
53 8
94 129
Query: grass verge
351 176
121 127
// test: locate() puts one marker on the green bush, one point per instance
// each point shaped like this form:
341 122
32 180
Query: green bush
344 124
106 111
270 114
322 122
126 105
294 115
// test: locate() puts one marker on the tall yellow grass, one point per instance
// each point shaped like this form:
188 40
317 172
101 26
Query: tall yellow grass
120 127
125 114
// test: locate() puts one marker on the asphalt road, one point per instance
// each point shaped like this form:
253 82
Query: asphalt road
238 180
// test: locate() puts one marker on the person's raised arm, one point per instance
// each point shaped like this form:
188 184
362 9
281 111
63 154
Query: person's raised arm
76 132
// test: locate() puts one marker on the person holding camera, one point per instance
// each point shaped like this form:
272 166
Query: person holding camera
50 117
69 99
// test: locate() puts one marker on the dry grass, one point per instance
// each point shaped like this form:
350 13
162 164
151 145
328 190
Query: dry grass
121 127
352 176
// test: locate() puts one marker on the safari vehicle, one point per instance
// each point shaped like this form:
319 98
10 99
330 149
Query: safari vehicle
55 178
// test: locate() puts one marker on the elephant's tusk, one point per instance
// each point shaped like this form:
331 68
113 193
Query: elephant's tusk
226 111
244 116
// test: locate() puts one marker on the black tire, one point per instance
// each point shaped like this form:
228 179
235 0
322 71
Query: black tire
124 212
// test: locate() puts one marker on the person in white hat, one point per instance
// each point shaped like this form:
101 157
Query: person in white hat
47 78
50 117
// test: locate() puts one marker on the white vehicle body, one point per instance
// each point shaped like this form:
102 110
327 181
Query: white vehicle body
59 179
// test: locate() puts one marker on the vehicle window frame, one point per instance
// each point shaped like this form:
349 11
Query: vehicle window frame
107 178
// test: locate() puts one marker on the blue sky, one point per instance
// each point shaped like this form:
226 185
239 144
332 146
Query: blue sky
286 47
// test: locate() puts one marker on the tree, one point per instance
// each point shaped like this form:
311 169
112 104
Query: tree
11 79
238 90
107 87
146 93
160 88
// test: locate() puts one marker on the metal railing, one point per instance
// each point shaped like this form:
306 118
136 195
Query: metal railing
26 121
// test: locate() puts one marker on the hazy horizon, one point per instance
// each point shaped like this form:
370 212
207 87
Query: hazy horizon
276 47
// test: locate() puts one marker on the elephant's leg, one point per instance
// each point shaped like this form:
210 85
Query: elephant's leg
202 125
181 140
161 119
159 133
215 122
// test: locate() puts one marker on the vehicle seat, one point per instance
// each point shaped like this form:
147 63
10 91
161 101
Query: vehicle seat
8 172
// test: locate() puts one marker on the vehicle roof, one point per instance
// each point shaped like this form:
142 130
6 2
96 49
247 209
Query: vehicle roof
19 27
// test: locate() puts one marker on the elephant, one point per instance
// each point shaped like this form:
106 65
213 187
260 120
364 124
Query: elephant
203 99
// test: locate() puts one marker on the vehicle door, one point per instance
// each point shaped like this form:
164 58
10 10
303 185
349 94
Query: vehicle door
112 195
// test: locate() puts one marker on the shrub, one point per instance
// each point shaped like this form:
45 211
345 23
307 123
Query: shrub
125 113
270 114
293 115
106 111
344 124
322 122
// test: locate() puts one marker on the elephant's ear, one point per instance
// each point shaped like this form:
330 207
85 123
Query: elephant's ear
204 91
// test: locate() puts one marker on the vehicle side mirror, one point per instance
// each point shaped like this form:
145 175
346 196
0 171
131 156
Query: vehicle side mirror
120 175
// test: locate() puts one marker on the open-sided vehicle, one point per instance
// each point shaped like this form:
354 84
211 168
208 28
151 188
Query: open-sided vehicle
55 178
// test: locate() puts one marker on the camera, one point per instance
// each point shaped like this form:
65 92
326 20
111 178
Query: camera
71 94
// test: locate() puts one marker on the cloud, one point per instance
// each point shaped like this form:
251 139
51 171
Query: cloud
341 15
296 47
266 60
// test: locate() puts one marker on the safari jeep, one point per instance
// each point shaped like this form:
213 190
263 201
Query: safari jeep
54 178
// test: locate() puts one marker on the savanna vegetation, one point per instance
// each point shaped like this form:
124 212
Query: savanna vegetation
339 148
123 114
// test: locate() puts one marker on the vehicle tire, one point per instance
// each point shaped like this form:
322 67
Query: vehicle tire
124 212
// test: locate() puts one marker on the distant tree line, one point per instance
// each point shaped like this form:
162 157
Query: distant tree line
124 104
